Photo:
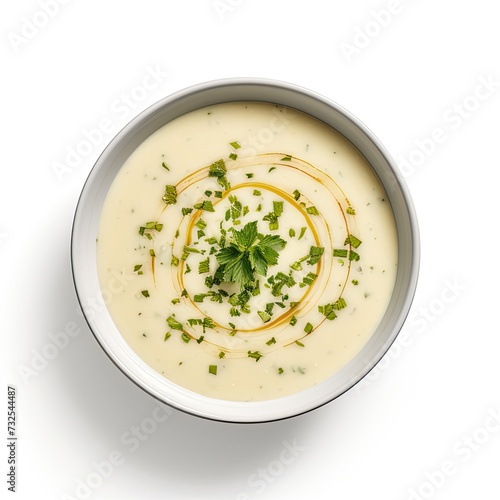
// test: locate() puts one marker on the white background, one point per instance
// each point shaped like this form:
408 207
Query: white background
426 423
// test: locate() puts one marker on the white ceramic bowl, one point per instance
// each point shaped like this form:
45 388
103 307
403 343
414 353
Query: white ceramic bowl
86 224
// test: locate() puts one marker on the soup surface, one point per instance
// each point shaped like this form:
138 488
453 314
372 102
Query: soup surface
247 251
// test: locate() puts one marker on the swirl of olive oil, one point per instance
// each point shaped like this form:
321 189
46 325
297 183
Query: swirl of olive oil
224 339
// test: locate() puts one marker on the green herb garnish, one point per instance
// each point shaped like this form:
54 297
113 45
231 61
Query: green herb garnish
353 241
315 254
204 205
173 323
255 355
204 266
218 169
170 196
340 252
264 316
249 254
328 311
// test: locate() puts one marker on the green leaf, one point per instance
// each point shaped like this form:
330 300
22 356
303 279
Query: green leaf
340 252
255 355
258 260
272 241
315 254
308 328
353 241
173 323
264 316
217 169
248 254
228 255
354 255
170 196
205 205
278 207
247 235
204 266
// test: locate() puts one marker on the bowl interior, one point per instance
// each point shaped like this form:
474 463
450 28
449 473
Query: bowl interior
86 225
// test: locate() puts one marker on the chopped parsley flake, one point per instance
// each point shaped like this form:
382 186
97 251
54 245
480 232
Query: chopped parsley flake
353 241
264 316
204 205
170 196
255 355
204 266
173 323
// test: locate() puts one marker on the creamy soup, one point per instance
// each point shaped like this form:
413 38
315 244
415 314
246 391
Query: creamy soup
256 248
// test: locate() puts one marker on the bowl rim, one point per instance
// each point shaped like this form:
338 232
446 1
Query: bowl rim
158 386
